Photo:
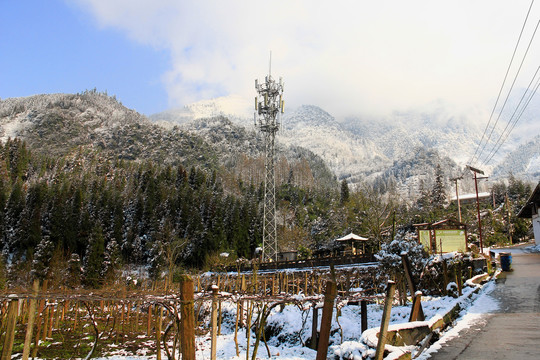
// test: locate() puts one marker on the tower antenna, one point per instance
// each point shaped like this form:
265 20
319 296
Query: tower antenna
270 65
268 109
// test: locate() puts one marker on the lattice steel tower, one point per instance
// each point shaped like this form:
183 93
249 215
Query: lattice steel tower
269 107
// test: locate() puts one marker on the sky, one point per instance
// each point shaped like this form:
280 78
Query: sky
348 57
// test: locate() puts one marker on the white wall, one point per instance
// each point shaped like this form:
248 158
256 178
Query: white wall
536 228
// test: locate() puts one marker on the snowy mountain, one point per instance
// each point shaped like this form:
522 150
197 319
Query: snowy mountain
523 162
92 122
60 124
360 148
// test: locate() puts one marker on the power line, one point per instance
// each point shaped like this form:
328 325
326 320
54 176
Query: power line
511 88
502 86
522 110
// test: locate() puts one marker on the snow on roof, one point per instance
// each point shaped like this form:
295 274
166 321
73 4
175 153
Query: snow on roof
352 236
471 196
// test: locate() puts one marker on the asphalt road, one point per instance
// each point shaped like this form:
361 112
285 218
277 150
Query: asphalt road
512 331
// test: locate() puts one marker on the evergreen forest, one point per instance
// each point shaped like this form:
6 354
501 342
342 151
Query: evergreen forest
84 220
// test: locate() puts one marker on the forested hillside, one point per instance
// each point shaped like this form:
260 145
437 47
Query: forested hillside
126 193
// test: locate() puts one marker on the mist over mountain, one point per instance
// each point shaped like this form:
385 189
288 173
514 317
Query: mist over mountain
372 149
400 150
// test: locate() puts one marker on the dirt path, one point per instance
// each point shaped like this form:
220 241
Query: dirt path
512 331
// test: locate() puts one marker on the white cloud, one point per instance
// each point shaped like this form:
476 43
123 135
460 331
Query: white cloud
345 56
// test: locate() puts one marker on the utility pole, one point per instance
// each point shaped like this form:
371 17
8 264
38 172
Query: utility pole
509 224
269 107
477 171
455 180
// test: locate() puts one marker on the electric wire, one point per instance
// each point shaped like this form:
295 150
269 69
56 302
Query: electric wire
503 83
510 90
513 120
500 143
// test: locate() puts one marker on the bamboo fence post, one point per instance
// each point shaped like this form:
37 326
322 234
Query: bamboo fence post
64 310
248 327
188 318
128 318
13 308
40 318
75 315
149 320
215 290
220 319
326 320
379 354
51 320
158 332
137 310
236 329
58 315
46 322
31 320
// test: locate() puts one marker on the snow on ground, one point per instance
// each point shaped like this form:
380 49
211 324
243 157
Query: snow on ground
476 313
292 328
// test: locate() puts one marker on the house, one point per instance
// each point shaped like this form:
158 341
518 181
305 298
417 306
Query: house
531 211
443 236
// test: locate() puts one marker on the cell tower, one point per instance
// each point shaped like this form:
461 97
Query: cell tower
268 109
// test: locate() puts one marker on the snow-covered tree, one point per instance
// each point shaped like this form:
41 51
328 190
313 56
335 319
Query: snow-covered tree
390 259
42 258
438 193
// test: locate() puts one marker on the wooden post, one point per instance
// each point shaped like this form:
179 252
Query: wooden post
459 278
158 332
363 309
40 318
248 326
137 310
416 307
187 323
412 286
213 345
314 324
149 320
51 320
46 323
379 354
10 328
326 320
31 319
445 276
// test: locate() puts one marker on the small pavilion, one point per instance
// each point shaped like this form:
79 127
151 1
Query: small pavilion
352 244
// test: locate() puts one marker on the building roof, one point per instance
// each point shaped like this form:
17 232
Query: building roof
442 224
465 197
352 236
532 205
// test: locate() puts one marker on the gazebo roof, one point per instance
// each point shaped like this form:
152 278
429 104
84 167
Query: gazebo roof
352 236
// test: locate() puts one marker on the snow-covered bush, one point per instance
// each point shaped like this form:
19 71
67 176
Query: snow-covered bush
390 260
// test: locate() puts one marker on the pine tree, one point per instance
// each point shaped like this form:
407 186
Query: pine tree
94 257
344 191
438 194
42 258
